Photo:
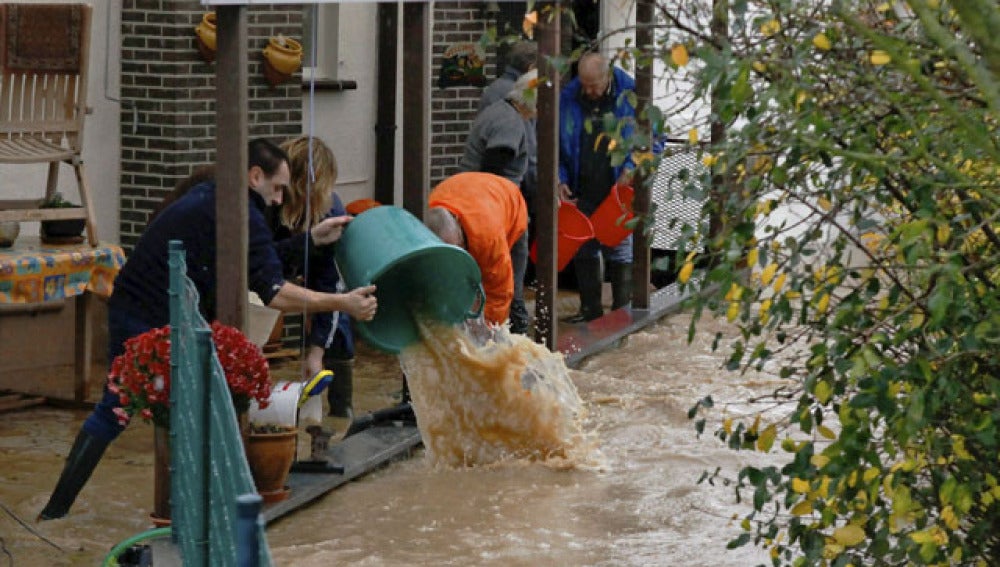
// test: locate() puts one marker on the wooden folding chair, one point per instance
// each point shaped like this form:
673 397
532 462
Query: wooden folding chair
43 101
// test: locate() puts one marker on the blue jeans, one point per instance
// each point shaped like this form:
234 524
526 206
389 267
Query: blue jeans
621 254
102 422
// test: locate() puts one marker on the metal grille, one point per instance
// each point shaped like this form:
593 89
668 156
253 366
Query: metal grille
679 196
208 467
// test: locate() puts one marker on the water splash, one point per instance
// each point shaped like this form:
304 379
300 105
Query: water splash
483 399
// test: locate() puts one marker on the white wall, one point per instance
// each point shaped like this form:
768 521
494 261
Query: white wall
101 145
346 120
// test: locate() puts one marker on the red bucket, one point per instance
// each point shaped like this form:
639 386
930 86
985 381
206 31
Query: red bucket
610 217
574 230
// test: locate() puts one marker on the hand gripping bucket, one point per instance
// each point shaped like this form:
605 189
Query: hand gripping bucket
611 215
416 274
574 229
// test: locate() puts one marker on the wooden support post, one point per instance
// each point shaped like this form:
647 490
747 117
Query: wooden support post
720 181
416 106
231 196
385 123
547 204
642 270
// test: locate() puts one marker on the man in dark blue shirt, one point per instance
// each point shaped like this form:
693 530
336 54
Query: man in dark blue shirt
140 302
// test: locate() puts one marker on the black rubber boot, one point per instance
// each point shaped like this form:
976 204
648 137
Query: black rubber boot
589 282
621 284
81 462
341 389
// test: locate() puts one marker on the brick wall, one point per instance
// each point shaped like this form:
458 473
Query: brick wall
168 98
453 108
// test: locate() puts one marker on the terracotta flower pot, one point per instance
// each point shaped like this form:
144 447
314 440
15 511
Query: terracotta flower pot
270 456
282 58
205 32
161 476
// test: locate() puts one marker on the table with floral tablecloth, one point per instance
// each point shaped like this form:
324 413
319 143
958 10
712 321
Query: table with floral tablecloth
32 272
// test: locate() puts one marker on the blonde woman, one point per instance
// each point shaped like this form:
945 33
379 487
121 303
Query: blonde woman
309 201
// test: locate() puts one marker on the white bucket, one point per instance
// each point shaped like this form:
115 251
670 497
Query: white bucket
260 321
283 408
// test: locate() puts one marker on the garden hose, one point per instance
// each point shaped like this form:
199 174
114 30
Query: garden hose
111 560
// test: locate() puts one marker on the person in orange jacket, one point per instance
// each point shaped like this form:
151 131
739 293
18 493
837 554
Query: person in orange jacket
486 215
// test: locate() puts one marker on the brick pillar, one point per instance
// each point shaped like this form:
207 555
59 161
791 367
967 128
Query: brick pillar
168 98
453 109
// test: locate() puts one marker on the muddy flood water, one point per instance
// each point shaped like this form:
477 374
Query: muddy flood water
641 506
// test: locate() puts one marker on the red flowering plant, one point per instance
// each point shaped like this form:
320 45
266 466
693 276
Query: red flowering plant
140 376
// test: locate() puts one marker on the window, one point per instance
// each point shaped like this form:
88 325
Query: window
324 21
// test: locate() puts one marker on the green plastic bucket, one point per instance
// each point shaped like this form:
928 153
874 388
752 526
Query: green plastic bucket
416 274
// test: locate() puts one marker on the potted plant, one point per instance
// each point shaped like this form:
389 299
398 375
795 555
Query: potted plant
270 452
63 228
140 377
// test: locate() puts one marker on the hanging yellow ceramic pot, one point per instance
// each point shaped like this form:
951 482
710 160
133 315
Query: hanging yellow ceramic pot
205 32
282 58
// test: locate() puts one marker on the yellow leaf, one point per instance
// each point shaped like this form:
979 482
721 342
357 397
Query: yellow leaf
679 55
800 485
770 28
822 391
735 292
826 432
710 160
758 66
870 475
768 274
879 57
849 535
825 204
943 232
727 425
824 488
765 306
693 135
821 41
766 439
802 508
733 311
752 257
779 283
832 550
685 273
949 518
823 303
883 7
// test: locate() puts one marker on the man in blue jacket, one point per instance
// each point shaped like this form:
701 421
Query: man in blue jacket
587 173
139 301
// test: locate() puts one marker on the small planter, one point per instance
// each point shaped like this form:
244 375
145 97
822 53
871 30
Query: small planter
8 233
205 32
270 452
282 58
62 231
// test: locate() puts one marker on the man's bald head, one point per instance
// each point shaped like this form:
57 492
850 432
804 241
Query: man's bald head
594 74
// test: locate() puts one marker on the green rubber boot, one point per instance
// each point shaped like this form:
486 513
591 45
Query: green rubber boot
341 389
621 284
